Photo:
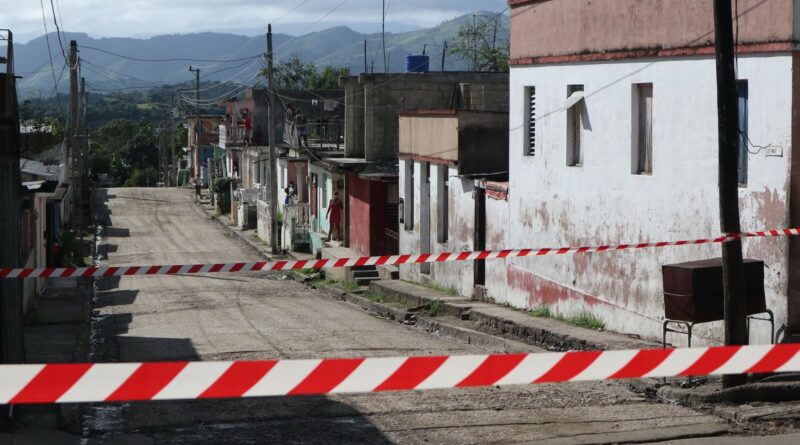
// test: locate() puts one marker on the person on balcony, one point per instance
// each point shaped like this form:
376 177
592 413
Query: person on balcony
291 193
248 129
300 123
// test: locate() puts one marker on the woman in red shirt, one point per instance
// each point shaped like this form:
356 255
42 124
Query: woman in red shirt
334 215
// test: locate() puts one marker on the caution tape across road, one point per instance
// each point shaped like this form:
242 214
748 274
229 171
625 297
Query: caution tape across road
188 269
117 382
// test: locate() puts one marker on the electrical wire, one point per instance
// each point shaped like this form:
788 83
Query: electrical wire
167 60
47 39
58 33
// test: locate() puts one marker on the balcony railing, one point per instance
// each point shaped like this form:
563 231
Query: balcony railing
233 135
320 135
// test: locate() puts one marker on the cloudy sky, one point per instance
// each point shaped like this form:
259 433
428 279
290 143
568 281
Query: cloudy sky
143 18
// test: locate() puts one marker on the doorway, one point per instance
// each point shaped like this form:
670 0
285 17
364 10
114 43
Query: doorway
480 236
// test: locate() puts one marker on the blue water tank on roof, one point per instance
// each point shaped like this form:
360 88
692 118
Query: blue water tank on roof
417 64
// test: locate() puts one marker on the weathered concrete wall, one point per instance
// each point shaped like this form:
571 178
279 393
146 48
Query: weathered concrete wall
353 117
602 202
434 136
461 223
383 95
580 27
482 143
497 238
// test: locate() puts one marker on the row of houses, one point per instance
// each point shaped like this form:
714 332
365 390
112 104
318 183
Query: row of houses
48 198
603 132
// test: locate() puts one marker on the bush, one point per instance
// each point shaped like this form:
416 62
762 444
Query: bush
222 185
145 177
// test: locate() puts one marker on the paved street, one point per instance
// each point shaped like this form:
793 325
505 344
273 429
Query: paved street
257 316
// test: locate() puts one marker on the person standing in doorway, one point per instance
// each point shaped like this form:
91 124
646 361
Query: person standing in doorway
334 215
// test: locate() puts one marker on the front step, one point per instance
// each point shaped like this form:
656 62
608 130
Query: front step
365 273
367 280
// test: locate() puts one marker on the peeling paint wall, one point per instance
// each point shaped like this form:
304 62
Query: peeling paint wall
601 202
497 230
461 211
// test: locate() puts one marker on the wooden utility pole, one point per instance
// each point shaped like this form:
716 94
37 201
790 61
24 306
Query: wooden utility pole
197 126
80 139
172 165
74 151
11 344
272 173
444 53
733 279
365 55
383 37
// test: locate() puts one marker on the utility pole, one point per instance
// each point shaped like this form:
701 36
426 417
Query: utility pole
444 53
383 37
197 126
73 134
474 44
272 173
365 55
733 279
173 175
82 152
11 345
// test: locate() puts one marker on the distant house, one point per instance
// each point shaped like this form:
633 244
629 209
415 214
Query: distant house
613 138
200 144
448 161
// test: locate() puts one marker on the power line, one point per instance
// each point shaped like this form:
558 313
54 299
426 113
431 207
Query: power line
58 33
168 60
49 50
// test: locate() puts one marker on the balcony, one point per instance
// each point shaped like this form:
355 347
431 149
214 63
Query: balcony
232 136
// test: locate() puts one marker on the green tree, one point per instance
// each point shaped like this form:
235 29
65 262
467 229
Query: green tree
478 43
294 74
129 145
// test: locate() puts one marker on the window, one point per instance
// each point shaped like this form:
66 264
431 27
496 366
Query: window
408 202
530 121
642 125
575 115
742 95
442 196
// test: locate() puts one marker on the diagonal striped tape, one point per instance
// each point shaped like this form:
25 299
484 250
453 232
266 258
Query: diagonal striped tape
111 382
188 269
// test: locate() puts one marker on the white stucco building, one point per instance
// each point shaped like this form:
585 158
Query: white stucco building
446 158
613 138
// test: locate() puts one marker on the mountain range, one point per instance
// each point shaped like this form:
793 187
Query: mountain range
224 57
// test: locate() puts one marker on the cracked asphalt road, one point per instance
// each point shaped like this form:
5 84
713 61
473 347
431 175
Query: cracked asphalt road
257 316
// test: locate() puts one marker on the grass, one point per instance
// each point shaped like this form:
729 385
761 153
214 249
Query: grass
447 290
581 319
343 285
378 298
436 309
542 311
307 271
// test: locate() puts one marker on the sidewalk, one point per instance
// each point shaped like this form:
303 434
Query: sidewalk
765 402
249 236
56 331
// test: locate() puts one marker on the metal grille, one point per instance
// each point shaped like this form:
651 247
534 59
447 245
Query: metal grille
531 96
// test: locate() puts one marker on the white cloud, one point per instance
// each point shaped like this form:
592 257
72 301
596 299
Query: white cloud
122 18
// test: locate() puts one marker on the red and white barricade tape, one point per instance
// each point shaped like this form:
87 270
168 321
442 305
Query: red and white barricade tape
179 269
112 382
